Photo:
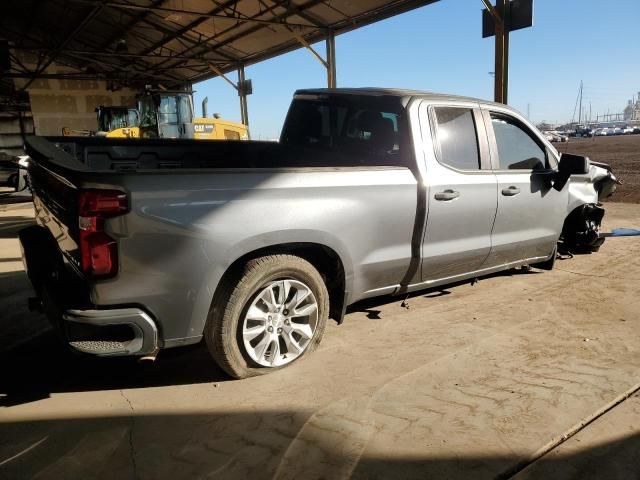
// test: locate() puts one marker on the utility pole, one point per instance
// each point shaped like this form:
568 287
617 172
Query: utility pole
580 108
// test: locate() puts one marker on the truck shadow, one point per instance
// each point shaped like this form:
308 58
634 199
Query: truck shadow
36 363
369 305
11 225
44 365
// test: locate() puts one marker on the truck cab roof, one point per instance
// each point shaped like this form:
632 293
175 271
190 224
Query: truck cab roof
406 94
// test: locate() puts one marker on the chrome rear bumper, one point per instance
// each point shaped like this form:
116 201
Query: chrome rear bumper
144 330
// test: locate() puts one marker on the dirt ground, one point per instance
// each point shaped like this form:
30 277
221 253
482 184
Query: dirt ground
622 152
473 381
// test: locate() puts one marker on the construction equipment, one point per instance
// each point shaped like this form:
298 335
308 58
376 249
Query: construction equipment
119 122
161 114
167 114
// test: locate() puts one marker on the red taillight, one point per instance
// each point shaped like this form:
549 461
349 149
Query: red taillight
98 251
102 203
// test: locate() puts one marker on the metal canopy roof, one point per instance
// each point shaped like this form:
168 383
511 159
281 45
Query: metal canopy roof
173 42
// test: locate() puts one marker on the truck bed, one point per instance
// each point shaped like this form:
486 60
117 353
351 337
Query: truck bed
194 206
101 155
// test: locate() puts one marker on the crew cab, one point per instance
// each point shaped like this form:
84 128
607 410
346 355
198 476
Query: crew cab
142 245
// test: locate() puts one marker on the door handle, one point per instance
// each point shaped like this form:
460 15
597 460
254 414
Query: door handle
511 191
446 195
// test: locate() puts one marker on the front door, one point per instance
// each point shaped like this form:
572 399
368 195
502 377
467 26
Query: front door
461 192
530 210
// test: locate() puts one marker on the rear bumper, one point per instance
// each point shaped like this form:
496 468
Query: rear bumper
102 340
65 299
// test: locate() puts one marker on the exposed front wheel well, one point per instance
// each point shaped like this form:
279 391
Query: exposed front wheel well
323 258
580 231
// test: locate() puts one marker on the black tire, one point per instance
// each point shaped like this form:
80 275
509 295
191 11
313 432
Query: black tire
12 181
223 330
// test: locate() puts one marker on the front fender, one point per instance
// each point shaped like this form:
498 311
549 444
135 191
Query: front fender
593 187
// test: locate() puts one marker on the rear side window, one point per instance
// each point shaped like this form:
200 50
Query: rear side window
517 149
366 130
457 138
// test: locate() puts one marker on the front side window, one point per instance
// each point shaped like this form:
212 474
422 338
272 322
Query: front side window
517 150
457 138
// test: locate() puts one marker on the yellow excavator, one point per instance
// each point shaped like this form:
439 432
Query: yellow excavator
163 114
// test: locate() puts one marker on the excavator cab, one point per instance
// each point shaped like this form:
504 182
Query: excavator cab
116 121
166 115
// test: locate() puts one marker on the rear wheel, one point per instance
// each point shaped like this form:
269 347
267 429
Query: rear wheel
268 316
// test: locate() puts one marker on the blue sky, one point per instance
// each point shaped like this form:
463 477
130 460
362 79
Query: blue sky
440 48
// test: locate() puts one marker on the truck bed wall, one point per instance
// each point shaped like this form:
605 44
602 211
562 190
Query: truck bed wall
197 206
185 230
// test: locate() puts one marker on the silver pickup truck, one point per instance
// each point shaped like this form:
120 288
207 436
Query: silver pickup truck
151 244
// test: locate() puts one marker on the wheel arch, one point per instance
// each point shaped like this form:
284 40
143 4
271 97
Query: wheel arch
325 259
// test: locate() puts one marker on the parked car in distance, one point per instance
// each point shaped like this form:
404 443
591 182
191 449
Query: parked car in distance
8 173
153 244
13 172
627 130
636 130
555 136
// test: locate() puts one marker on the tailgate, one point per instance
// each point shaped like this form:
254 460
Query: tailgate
55 198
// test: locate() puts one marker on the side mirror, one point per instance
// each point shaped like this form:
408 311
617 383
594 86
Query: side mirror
573 165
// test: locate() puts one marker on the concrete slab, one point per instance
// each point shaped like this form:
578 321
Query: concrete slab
468 382
607 448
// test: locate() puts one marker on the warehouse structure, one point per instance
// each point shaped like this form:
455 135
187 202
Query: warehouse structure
62 58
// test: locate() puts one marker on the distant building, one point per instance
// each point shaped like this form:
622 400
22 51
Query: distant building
632 110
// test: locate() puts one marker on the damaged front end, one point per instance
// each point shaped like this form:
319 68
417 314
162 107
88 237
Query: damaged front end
581 230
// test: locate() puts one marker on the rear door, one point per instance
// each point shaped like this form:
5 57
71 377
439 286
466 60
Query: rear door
461 191
530 210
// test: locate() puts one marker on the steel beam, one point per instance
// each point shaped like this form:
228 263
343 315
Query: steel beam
128 26
306 45
118 54
250 30
331 60
501 15
502 54
219 72
90 16
97 76
244 112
